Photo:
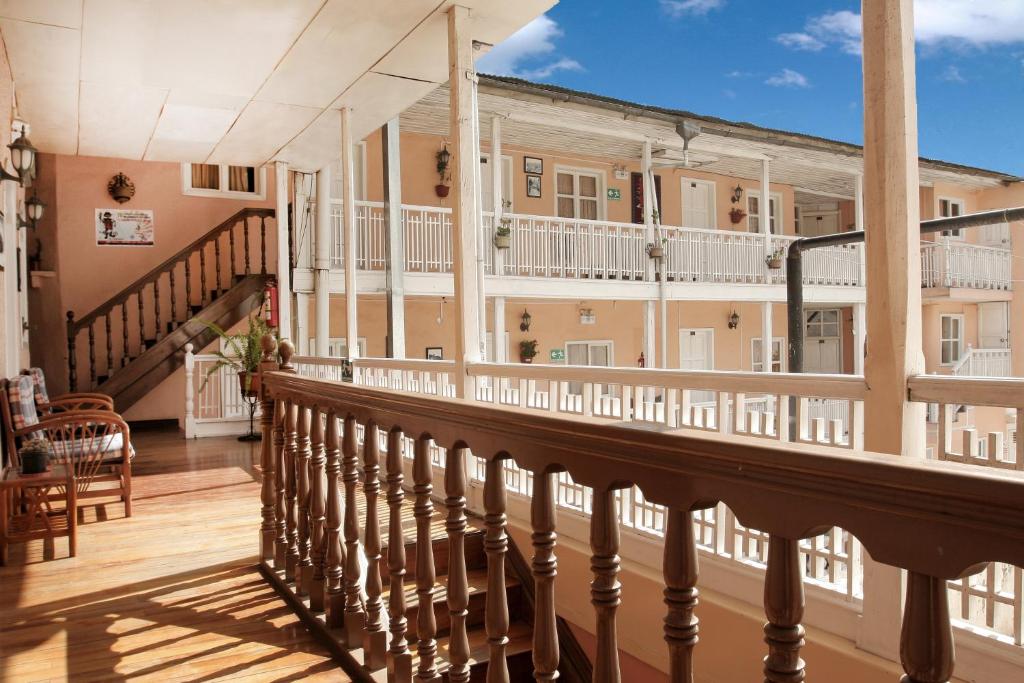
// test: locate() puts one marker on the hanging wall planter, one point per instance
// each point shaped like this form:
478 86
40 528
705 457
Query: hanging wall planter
737 215
442 190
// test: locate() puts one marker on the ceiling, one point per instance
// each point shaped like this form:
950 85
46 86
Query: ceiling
229 81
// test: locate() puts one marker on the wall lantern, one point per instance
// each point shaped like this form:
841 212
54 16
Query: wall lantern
524 326
734 320
23 157
587 316
737 194
33 212
121 188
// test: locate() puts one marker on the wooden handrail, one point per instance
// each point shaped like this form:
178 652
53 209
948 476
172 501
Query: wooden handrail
1002 392
167 264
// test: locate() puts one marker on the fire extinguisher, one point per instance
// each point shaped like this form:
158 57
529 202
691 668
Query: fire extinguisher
641 361
270 299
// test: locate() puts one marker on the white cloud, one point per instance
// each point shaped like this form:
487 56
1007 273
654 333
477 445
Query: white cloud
787 78
747 74
953 75
679 8
800 41
937 23
529 53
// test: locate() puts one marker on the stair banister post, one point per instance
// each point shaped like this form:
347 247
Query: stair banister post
681 571
354 616
72 361
496 547
544 567
303 454
374 636
335 547
281 409
605 589
399 656
458 584
317 510
268 527
426 624
190 392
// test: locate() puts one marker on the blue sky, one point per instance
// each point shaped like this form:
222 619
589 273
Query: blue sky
793 65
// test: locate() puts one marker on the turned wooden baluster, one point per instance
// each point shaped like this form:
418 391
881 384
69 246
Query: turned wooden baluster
142 322
317 511
280 509
375 637
303 454
458 581
926 639
335 549
496 546
125 353
216 258
354 617
92 355
110 344
263 245
784 607
291 491
72 352
231 251
202 277
680 566
544 569
245 243
399 657
605 589
174 300
426 624
188 287
156 308
268 460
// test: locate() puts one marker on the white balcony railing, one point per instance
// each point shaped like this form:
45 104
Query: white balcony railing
213 401
983 363
958 264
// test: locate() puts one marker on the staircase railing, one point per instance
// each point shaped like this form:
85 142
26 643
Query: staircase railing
940 521
162 286
983 363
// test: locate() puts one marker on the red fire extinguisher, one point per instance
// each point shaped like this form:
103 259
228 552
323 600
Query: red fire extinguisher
641 361
270 299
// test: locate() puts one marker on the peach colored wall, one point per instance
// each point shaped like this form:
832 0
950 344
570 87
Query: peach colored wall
931 324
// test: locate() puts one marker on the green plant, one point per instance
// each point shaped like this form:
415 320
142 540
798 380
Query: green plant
35 455
443 156
244 349
528 348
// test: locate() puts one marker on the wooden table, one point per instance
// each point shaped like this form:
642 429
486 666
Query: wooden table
25 510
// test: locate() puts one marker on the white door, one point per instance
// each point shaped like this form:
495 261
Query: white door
822 352
994 326
697 352
818 223
698 204
487 187
996 235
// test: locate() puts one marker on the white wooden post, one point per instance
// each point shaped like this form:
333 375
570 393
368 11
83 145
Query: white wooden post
283 274
395 273
858 218
498 197
648 193
764 215
500 345
859 337
892 424
649 334
302 323
465 177
322 261
351 237
190 392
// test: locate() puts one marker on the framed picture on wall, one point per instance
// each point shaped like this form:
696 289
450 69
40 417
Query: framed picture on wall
533 165
533 186
435 353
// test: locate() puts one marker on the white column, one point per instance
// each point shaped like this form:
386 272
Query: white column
649 326
284 281
478 216
395 273
464 192
500 344
860 322
348 199
648 193
497 192
765 220
858 217
766 336
322 261
892 424
302 323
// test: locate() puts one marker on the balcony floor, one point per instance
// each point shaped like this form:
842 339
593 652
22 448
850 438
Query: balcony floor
170 594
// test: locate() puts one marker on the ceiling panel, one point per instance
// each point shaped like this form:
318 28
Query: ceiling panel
40 53
261 129
67 13
117 120
52 111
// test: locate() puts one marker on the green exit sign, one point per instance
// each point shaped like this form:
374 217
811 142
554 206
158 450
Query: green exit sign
614 193
557 354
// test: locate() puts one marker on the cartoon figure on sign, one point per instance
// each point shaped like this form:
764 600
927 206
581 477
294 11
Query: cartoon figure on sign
108 226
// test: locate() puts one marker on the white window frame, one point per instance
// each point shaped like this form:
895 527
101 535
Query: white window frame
777 214
959 339
713 199
602 193
592 342
335 343
757 367
359 159
952 201
187 189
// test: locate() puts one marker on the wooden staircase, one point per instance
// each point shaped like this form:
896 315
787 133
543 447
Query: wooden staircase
135 340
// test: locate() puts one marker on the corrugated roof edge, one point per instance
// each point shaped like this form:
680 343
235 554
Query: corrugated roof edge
813 141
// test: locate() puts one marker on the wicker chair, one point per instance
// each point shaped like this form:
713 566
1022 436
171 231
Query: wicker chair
73 401
94 444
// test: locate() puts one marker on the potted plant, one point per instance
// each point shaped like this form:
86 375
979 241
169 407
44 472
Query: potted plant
774 259
527 350
443 157
503 233
737 214
657 249
35 456
244 351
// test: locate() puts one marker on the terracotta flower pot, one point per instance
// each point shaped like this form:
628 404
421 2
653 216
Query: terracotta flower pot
503 241
656 252
526 359
442 190
774 263
737 215
253 382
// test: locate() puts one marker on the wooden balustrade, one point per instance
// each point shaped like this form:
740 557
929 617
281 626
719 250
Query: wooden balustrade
151 291
938 520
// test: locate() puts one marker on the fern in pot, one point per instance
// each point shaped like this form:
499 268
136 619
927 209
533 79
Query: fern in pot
242 353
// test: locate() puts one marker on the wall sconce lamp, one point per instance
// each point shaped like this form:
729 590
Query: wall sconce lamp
23 156
33 212
734 320
524 326
737 194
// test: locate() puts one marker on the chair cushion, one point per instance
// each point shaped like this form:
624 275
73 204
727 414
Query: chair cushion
21 398
109 446
39 385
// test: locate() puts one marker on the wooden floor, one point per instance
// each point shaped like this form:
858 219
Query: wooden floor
170 594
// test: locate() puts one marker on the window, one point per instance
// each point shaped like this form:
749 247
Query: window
578 194
952 338
337 347
756 364
823 323
951 208
754 212
595 353
223 180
